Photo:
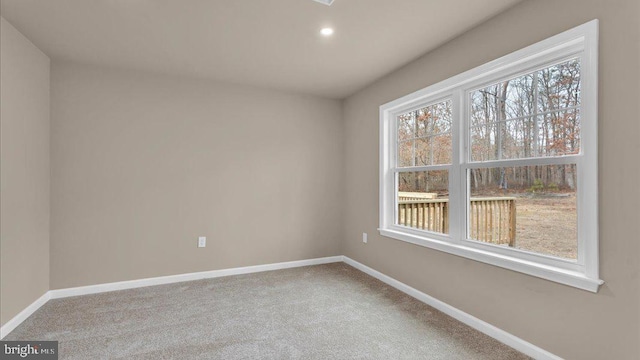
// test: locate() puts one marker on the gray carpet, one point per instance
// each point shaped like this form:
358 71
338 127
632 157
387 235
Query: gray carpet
318 312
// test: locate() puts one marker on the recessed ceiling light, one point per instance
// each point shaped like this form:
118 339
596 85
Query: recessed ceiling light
326 2
326 31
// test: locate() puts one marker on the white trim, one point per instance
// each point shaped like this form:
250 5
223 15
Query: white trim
534 268
588 213
131 284
482 326
504 337
546 160
580 42
161 280
515 62
23 315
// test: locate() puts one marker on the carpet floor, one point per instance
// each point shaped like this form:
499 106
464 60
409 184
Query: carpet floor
328 311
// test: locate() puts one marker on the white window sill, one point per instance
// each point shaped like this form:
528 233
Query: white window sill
551 273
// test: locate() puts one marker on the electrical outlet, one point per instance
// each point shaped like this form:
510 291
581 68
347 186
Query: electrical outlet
364 238
202 241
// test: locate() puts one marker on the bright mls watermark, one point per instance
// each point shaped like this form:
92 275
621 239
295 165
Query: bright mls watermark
43 350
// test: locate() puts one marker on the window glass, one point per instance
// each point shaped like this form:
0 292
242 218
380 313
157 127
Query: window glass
534 115
423 200
530 208
424 136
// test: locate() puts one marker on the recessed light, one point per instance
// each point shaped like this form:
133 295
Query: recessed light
326 31
326 2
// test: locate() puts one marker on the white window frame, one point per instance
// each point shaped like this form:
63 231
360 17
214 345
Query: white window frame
580 42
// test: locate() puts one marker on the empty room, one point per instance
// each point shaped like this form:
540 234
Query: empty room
320 179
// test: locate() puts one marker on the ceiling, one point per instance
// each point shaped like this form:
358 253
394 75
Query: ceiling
266 43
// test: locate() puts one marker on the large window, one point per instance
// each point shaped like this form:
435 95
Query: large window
499 164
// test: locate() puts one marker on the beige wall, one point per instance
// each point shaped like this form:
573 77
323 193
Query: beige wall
144 164
571 323
24 172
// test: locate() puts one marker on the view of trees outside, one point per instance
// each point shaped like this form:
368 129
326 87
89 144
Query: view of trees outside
533 115
433 181
424 136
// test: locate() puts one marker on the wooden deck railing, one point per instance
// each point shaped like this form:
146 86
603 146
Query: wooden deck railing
491 219
404 195
426 214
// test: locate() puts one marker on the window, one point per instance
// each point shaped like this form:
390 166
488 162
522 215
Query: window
499 164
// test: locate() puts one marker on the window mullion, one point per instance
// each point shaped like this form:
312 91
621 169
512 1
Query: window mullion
548 160
456 197
422 168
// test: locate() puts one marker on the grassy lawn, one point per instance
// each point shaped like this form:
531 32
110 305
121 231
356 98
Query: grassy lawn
547 225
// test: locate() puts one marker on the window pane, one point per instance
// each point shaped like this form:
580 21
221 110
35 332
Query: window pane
559 86
531 208
484 144
502 101
513 141
559 133
424 136
432 150
516 139
423 200
434 119
534 115
406 127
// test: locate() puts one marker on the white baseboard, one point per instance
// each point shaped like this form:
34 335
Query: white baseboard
484 327
23 315
122 285
472 321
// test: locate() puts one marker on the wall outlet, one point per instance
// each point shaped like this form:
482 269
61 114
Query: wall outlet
202 241
364 238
